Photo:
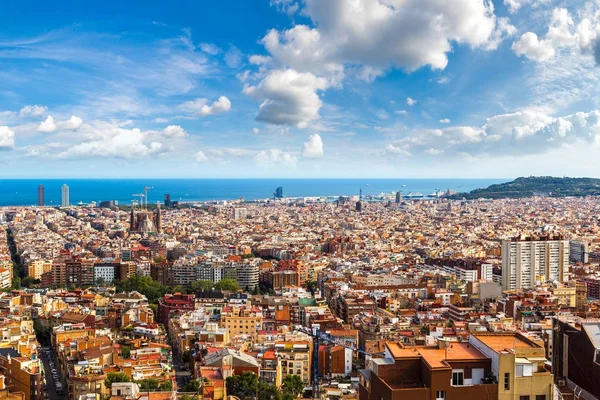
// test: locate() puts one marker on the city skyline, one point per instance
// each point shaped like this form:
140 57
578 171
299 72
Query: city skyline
286 88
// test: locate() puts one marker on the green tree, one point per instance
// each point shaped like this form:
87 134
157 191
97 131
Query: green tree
292 385
268 392
166 386
29 281
41 332
198 286
116 377
311 286
244 386
148 384
227 284
192 386
125 352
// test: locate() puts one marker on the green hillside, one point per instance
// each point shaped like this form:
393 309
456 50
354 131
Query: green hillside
536 185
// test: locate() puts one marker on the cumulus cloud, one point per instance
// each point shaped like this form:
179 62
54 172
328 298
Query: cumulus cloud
32 111
382 34
563 34
288 97
117 140
200 157
524 132
7 138
174 131
275 156
410 102
50 125
444 121
313 148
201 107
255 130
531 47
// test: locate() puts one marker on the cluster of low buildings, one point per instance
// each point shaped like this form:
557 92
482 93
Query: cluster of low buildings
409 299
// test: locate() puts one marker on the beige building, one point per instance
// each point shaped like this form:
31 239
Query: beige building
295 358
242 321
38 267
518 363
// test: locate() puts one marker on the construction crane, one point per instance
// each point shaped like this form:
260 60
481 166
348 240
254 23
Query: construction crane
141 196
318 337
146 188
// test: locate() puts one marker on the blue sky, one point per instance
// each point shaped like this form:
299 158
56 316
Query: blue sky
308 88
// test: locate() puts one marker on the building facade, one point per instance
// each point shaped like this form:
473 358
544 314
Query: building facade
527 261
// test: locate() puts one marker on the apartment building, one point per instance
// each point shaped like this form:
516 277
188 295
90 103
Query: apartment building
530 260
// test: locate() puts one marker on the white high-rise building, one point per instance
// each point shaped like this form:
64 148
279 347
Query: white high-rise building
527 261
65 196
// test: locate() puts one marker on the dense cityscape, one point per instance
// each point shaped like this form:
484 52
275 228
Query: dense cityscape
300 199
284 298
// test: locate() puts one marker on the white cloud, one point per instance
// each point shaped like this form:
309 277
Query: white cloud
7 138
114 142
174 131
410 102
200 157
383 34
529 131
275 156
313 148
72 123
160 120
200 106
444 121
397 149
563 34
433 151
443 80
289 7
289 97
33 111
401 112
209 48
515 5
255 130
531 47
50 125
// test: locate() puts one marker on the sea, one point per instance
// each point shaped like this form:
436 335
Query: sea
23 192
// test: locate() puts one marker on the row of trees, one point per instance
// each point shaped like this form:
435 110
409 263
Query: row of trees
247 387
145 384
154 290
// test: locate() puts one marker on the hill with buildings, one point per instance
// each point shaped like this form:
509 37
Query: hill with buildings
536 185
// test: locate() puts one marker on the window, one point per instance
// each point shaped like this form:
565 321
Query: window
458 378
440 395
507 381
540 397
524 398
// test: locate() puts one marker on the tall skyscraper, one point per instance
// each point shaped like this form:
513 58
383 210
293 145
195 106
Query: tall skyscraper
278 193
167 199
65 196
399 197
528 260
41 195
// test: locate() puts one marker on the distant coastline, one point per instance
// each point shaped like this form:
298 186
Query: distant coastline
23 192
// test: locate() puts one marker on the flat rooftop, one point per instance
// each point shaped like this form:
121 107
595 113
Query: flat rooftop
506 341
